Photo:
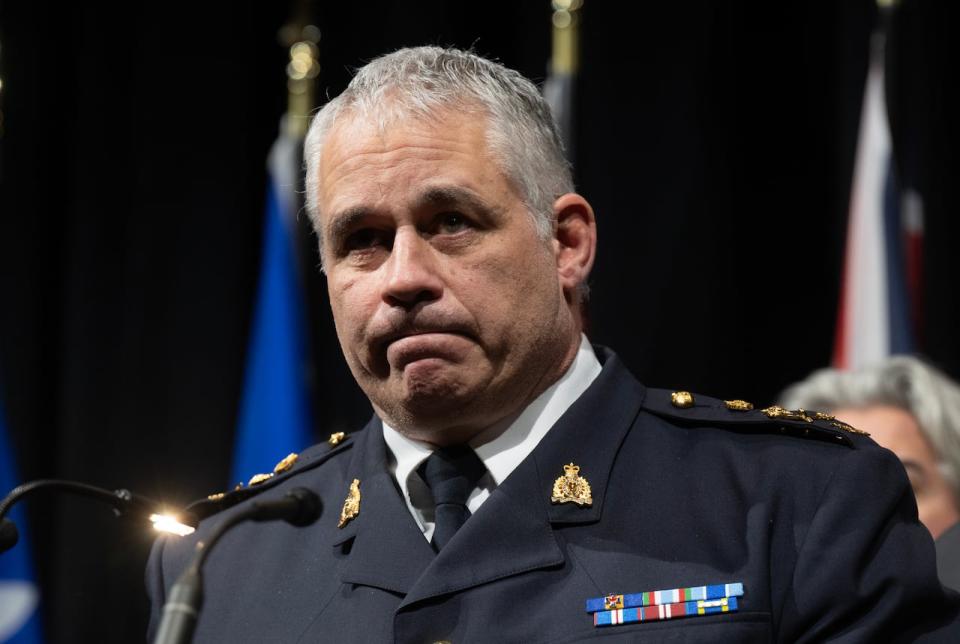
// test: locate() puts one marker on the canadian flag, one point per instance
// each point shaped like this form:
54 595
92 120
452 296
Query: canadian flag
880 290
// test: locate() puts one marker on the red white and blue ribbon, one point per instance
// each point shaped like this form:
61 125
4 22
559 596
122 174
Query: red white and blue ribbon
661 597
671 603
664 611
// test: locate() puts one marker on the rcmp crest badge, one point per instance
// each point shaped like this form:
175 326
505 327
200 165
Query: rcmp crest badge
571 487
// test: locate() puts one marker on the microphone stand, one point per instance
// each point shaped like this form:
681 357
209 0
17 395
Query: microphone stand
124 503
299 507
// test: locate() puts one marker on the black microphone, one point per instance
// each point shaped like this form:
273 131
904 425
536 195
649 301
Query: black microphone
299 507
8 534
125 504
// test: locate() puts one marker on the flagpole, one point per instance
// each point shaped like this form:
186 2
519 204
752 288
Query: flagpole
563 68
301 38
275 418
565 57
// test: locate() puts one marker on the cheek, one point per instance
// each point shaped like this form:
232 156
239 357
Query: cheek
535 280
496 287
524 264
347 305
936 505
512 294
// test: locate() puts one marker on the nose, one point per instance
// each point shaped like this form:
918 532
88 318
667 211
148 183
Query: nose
411 272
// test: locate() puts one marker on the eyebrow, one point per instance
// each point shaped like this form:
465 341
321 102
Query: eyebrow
341 223
433 197
446 196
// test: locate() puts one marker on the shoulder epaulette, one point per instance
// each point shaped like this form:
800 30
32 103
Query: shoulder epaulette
288 467
686 408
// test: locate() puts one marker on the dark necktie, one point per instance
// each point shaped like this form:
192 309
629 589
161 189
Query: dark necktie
451 473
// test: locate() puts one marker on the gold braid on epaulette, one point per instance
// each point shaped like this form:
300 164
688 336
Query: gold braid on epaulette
684 407
287 466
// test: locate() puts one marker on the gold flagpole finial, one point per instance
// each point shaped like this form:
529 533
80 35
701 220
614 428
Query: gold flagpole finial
565 58
303 67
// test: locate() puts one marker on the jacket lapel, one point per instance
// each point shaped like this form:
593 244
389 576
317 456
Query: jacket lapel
388 550
511 521
589 435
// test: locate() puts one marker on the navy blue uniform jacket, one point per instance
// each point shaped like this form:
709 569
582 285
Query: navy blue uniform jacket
821 529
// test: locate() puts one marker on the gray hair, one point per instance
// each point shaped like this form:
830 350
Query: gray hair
901 381
424 81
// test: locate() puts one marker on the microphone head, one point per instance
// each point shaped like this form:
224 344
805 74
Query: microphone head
8 534
308 507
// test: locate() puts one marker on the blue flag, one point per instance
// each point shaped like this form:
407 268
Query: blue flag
275 416
19 597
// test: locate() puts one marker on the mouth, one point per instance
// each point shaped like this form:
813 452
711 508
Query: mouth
405 332
403 350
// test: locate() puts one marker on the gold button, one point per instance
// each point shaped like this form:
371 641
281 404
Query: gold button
738 405
257 479
336 438
682 399
285 464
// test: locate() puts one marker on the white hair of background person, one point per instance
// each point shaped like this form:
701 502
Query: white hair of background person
423 82
900 381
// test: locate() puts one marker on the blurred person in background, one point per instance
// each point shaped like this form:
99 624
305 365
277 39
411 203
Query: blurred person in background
913 410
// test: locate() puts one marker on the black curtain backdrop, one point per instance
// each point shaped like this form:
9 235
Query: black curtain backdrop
715 141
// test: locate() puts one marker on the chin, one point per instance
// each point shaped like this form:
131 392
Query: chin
426 406
432 398
431 381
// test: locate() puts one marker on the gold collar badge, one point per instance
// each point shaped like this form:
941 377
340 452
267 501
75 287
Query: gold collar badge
351 505
571 487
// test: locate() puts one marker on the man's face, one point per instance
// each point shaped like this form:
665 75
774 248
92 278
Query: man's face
447 304
898 431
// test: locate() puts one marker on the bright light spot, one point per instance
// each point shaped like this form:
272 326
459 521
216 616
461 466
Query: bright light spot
293 73
301 49
300 64
168 523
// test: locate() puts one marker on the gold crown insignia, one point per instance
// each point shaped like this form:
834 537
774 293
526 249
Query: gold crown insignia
571 487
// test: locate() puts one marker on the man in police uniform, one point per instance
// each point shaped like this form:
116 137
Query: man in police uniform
517 484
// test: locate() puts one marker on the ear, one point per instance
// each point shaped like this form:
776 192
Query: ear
575 243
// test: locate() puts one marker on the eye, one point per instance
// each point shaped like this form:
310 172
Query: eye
364 239
450 223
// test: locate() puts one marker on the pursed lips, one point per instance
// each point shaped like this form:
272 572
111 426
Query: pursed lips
403 348
386 339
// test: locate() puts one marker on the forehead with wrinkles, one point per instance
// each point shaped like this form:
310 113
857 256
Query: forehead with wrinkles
447 157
